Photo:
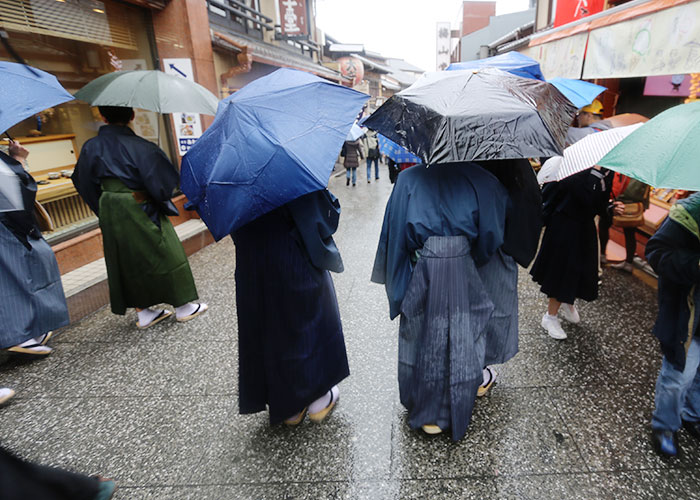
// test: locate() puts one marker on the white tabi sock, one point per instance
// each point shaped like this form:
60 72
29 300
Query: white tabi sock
324 400
147 315
185 310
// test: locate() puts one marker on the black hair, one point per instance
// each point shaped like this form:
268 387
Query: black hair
116 114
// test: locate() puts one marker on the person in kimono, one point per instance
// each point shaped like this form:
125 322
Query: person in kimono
441 223
290 340
674 253
128 181
32 303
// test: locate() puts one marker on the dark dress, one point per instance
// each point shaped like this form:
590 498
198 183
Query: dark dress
128 181
291 345
31 293
566 266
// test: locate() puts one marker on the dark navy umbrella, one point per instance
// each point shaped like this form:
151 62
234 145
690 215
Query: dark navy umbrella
271 142
454 116
27 91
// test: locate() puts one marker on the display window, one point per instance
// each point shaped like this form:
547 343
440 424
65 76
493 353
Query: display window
77 41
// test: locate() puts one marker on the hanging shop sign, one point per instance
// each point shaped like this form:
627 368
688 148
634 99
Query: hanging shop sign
352 68
443 46
293 18
561 58
188 127
573 10
662 43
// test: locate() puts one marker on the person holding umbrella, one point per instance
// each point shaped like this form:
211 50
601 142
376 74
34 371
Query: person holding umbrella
259 173
32 303
128 181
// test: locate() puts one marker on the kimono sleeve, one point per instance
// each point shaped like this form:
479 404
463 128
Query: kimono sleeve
85 181
492 203
316 218
159 176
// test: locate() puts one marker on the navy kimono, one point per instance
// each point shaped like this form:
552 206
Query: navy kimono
31 293
441 222
291 345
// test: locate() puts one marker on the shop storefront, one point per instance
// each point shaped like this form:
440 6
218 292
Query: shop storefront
77 41
634 50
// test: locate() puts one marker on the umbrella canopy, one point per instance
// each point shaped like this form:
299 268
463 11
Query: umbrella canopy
27 91
512 62
488 114
10 190
581 93
389 148
149 89
664 151
355 132
273 141
588 151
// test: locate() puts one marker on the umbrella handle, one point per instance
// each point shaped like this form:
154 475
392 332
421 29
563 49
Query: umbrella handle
9 137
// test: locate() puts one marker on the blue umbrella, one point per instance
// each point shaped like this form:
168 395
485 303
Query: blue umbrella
512 62
580 92
271 142
397 153
25 92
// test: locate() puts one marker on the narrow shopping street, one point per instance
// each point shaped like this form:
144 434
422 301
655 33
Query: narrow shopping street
157 410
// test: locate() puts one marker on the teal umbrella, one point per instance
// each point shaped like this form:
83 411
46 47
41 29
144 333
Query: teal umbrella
663 152
152 90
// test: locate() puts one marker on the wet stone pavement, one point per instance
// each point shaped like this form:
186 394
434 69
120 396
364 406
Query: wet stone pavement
157 409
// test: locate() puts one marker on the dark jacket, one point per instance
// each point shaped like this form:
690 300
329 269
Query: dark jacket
674 253
353 153
118 153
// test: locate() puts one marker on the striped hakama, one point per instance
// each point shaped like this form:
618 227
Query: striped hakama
441 336
31 294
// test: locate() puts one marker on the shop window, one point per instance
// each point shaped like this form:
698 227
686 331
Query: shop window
77 41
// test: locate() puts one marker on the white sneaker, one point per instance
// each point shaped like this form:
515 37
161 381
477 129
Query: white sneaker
5 394
553 327
569 313
623 266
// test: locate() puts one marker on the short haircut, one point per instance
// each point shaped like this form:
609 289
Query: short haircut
116 114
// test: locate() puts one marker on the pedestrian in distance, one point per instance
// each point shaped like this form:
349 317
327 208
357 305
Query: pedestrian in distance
372 152
674 254
128 182
441 223
353 154
290 339
566 266
32 303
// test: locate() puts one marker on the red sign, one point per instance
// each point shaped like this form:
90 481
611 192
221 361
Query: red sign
293 19
572 10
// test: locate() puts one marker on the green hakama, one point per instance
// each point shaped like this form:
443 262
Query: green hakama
146 265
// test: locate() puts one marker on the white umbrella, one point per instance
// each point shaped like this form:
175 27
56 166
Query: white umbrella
590 150
355 132
10 191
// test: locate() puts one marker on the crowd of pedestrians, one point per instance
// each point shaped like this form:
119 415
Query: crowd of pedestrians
452 238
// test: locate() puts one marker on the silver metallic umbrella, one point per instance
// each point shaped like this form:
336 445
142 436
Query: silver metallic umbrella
152 90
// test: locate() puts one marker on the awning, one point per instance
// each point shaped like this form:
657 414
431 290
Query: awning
274 56
628 49
608 17
560 58
618 43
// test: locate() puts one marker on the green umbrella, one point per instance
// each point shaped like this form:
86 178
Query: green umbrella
152 90
664 152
